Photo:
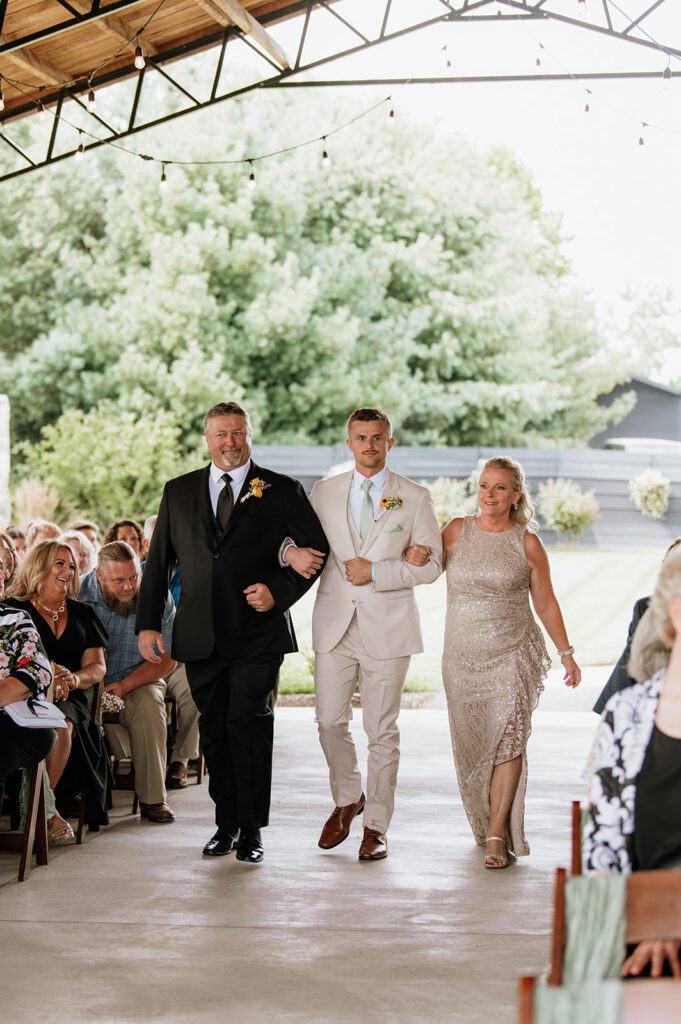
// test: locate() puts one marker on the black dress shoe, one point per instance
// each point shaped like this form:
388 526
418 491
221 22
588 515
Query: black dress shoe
222 843
249 847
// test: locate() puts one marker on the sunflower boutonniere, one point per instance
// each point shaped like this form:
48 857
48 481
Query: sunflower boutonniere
391 501
255 488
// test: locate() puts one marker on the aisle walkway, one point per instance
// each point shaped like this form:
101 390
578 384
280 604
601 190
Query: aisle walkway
137 926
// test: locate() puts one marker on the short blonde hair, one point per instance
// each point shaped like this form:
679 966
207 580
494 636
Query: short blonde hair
524 513
655 634
115 551
75 537
35 569
38 525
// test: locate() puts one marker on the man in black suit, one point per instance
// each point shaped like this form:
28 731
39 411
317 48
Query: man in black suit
225 525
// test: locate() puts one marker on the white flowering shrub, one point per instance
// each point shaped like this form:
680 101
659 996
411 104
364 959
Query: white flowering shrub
649 492
566 508
452 497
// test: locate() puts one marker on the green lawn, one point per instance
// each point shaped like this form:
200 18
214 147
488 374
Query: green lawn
596 591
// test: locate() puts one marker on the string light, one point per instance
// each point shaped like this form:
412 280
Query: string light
391 116
447 58
587 108
641 140
42 113
140 62
251 177
538 60
163 183
91 102
2 96
78 155
326 159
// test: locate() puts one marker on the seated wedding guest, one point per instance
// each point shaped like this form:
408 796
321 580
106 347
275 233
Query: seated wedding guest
111 591
82 549
634 818
174 584
87 527
45 588
129 531
18 538
40 529
24 670
619 678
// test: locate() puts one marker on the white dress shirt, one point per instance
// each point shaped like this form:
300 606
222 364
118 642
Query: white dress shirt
357 494
216 483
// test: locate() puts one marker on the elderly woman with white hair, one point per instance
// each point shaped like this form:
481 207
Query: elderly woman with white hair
634 821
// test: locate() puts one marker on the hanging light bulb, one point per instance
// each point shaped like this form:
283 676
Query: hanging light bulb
163 183
587 107
140 62
446 57
326 159
42 113
391 116
641 139
91 102
667 75
538 60
78 155
2 96
251 177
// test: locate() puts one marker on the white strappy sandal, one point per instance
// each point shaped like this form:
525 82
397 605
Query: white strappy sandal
497 860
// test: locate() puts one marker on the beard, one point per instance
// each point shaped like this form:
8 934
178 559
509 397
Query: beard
124 608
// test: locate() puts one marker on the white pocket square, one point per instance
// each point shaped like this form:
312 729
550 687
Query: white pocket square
395 529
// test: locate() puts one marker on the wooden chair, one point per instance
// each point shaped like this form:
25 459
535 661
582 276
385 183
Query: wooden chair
643 999
34 836
653 911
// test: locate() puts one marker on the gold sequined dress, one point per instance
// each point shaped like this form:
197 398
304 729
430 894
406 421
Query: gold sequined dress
493 664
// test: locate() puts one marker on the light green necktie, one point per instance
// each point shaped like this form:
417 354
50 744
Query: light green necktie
366 512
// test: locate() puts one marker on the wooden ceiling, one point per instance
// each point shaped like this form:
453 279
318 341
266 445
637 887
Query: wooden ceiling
48 45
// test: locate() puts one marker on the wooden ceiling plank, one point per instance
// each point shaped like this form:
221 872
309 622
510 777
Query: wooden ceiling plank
114 26
228 12
28 61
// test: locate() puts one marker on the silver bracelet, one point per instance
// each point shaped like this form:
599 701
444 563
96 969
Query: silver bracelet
564 654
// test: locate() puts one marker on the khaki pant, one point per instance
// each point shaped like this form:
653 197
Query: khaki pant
381 682
142 733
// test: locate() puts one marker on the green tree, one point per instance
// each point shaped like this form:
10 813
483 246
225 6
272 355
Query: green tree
419 274
108 464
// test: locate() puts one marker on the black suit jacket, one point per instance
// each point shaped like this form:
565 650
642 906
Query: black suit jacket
619 679
215 569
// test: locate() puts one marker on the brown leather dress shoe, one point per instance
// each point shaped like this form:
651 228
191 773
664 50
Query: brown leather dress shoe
159 814
374 846
177 775
337 828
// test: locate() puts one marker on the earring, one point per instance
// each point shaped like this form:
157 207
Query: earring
515 504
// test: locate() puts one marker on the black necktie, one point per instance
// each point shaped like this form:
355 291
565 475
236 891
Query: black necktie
225 503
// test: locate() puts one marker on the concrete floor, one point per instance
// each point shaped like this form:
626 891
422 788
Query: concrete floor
136 925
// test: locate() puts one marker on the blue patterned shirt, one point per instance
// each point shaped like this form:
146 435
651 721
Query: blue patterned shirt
122 652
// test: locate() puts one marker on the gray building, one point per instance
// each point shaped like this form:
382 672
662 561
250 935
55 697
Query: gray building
657 413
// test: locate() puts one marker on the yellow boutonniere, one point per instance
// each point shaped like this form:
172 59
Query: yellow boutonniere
391 501
255 488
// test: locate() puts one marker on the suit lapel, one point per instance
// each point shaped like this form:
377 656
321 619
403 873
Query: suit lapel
240 503
203 499
383 516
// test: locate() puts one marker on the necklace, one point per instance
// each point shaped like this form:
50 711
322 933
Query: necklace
55 613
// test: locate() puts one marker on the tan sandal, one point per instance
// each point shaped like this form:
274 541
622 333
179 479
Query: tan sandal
496 860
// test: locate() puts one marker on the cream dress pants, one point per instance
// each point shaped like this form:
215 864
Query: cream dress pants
381 682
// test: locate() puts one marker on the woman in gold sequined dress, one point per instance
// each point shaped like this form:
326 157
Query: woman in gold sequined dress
494 655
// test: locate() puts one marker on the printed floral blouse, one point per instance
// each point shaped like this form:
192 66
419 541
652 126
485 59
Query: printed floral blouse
617 757
22 654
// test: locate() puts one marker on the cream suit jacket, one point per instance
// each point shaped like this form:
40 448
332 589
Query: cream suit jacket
387 615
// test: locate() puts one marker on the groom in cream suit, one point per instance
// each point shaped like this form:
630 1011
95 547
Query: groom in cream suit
365 624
